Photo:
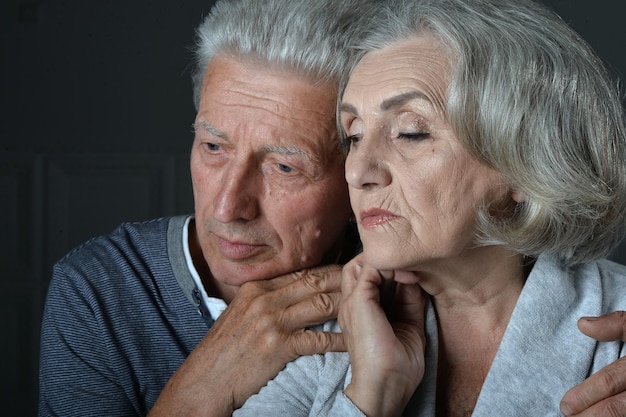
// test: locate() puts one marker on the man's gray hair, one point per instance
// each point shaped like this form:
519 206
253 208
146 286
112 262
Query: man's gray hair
306 37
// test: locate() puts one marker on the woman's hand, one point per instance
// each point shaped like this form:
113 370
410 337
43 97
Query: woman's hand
387 358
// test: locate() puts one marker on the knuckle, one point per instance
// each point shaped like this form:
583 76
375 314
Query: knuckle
268 330
612 408
298 275
324 279
251 289
313 281
324 303
577 398
261 308
268 341
322 341
611 381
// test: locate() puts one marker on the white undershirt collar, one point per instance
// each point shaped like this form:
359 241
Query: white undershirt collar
215 305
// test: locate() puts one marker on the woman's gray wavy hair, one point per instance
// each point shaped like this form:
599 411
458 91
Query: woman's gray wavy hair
531 99
307 37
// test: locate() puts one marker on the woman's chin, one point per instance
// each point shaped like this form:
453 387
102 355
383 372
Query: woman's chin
385 261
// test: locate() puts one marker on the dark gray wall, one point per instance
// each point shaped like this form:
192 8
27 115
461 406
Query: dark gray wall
601 23
113 74
96 109
95 105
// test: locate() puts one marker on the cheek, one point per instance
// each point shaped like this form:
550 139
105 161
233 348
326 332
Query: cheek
313 222
294 223
195 165
294 214
468 189
196 179
437 196
422 188
202 182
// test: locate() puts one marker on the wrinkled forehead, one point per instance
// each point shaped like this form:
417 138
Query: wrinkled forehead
244 99
412 68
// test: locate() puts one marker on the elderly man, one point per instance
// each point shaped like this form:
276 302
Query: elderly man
131 323
125 311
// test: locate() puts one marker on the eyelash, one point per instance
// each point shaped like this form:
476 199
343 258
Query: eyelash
212 147
350 140
413 136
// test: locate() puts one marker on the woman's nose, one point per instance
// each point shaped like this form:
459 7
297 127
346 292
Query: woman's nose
366 167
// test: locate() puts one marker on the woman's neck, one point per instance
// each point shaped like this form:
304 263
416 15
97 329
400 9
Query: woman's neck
473 300
482 280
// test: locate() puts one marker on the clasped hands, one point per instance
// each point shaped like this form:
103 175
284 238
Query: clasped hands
267 325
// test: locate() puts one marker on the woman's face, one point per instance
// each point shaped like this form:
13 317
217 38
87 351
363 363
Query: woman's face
414 189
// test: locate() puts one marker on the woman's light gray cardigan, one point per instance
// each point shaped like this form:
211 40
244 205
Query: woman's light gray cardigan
541 356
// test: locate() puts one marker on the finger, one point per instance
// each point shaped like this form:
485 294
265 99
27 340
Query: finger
611 407
605 328
410 306
410 303
349 276
309 282
312 342
605 383
290 289
366 290
324 278
311 311
369 277
360 301
362 298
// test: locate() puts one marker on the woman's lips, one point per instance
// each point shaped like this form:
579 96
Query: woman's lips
236 250
375 217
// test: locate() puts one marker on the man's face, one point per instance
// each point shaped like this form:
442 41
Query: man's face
268 175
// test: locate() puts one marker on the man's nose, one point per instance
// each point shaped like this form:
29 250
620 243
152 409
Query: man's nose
237 198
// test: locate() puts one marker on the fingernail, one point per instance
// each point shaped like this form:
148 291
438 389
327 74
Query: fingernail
590 318
566 409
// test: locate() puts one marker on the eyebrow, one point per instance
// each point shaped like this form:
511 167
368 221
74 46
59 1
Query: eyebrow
390 103
283 150
209 129
400 99
287 150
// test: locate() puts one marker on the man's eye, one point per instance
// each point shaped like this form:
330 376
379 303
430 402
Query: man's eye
212 146
285 168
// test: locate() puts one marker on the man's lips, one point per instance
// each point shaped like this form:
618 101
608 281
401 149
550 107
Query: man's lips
375 217
236 250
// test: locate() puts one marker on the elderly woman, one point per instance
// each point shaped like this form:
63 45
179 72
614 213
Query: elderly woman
487 174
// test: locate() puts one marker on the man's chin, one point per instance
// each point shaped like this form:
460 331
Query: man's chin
237 275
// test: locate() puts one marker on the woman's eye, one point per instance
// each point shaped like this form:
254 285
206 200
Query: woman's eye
347 141
353 138
413 135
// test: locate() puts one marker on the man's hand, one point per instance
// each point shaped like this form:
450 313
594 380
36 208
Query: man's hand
262 329
603 393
